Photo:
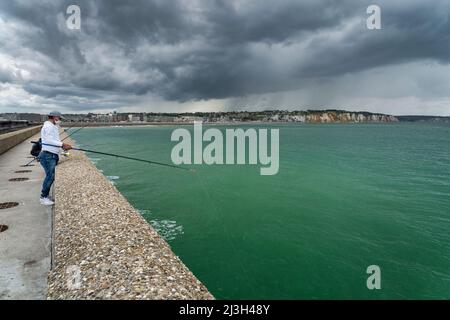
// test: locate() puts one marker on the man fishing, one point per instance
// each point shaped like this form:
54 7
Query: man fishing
49 156
51 147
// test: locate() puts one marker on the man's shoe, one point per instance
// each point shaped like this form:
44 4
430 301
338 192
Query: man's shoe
47 202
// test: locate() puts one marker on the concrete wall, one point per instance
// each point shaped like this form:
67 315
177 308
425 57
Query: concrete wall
12 125
101 240
11 139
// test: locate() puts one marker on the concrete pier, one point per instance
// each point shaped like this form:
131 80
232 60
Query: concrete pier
92 245
104 249
25 247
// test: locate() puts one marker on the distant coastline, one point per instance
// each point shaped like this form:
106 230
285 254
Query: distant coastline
220 118
150 124
423 119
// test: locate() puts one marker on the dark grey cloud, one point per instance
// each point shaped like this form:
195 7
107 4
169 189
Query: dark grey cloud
198 50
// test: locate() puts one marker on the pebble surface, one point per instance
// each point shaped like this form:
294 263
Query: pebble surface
104 249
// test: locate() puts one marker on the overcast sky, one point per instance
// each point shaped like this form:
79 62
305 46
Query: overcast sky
206 55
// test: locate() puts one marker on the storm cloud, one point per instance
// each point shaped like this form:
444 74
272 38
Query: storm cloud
184 55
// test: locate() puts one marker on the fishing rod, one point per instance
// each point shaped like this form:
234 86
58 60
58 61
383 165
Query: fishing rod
68 136
120 156
70 127
31 161
64 130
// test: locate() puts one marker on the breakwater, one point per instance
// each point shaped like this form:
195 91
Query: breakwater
104 249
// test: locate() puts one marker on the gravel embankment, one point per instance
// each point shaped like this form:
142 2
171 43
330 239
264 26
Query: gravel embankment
119 255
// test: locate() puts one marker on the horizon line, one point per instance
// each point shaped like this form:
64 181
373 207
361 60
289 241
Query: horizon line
236 111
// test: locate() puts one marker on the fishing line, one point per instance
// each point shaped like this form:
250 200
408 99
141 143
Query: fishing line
224 225
122 156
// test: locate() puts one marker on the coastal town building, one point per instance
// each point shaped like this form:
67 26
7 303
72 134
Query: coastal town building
309 116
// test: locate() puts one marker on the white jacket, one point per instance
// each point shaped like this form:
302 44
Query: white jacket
50 135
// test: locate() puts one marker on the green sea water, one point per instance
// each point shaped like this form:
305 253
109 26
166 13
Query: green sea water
346 197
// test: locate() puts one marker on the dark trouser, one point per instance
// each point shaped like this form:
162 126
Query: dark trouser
48 161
